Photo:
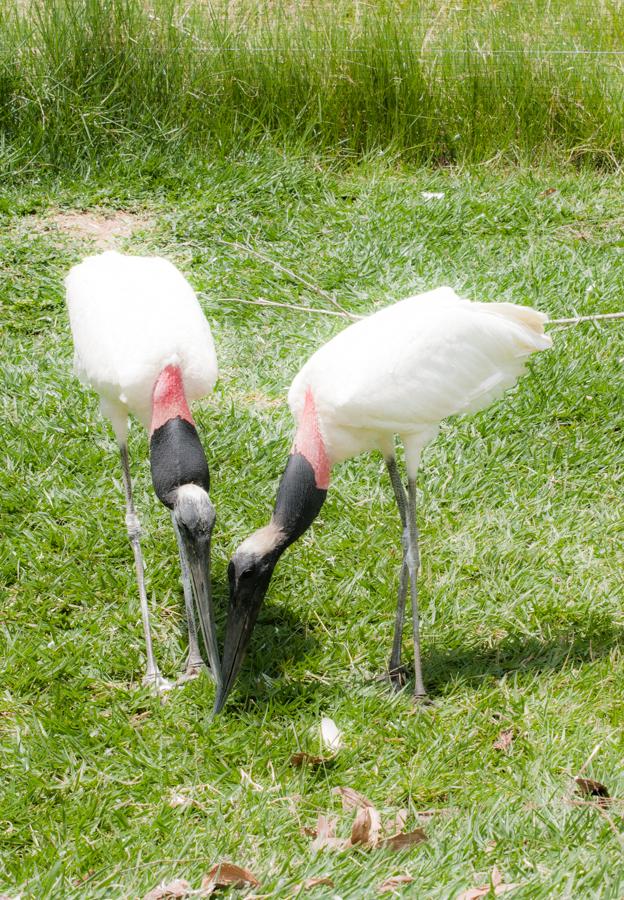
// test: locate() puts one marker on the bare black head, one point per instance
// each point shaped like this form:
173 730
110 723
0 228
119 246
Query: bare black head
298 502
181 481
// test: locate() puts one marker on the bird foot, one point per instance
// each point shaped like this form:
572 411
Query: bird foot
398 677
422 698
193 670
158 683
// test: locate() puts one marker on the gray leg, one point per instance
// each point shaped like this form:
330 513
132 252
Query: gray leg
152 675
399 490
413 562
195 662
395 668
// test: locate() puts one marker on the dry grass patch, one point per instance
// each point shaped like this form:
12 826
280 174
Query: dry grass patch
105 229
255 399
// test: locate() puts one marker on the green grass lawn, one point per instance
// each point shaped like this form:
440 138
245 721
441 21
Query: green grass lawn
428 80
521 539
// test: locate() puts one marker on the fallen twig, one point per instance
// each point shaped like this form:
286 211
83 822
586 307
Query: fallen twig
576 319
294 275
589 759
583 768
260 301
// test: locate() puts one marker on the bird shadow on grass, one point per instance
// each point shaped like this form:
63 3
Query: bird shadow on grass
579 642
280 640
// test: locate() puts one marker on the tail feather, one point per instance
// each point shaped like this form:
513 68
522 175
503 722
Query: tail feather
523 315
530 321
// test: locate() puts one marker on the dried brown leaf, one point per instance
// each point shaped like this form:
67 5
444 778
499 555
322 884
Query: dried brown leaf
365 831
496 885
177 888
226 874
310 883
351 799
397 824
474 893
590 788
366 827
326 834
403 840
325 827
391 884
504 740
308 759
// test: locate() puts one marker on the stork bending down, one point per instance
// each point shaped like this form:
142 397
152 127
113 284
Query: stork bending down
142 341
399 372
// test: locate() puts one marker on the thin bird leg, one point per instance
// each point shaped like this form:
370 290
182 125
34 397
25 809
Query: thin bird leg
413 562
133 526
195 661
395 668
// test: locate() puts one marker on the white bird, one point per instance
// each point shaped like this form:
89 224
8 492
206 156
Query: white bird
400 371
142 341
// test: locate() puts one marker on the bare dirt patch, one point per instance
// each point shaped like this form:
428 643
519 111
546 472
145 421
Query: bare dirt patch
105 229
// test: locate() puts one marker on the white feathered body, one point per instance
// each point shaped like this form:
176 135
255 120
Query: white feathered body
130 317
402 370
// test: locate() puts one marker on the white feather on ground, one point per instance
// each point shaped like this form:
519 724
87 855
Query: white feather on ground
330 734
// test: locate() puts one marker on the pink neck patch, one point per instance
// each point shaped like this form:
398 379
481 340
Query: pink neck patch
309 443
169 399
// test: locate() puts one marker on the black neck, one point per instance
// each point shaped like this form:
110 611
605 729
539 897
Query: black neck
177 457
298 501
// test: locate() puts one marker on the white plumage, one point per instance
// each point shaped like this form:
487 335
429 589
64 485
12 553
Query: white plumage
131 316
136 323
400 371
405 368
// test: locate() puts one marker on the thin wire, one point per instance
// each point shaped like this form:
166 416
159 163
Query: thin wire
424 51
261 301
440 51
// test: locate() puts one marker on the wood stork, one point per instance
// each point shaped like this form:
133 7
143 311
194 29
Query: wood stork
400 371
142 341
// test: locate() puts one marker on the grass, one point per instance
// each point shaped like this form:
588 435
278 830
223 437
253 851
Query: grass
520 516
465 82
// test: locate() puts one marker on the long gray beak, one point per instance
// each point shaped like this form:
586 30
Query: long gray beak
237 635
243 611
197 553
